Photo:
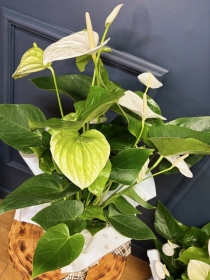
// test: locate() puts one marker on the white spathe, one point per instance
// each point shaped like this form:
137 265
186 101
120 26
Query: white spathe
197 270
74 45
182 166
161 270
149 80
113 15
168 248
134 103
153 256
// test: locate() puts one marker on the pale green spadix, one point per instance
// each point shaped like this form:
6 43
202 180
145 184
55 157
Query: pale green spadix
81 158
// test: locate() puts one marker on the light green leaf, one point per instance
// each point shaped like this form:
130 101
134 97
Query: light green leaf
129 225
195 123
127 164
37 190
81 158
66 211
98 101
206 229
194 253
173 145
97 187
31 61
15 130
133 195
198 270
125 207
75 86
56 249
93 212
165 224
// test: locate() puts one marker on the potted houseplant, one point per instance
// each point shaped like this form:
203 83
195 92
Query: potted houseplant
185 255
90 166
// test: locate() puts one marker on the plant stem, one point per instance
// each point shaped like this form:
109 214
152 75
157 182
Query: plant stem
155 164
56 89
160 172
142 129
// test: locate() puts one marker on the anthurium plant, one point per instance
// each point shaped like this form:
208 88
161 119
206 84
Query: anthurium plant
90 165
186 253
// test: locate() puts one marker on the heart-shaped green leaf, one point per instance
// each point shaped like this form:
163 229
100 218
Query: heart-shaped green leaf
178 146
80 157
127 165
98 101
75 86
194 237
93 212
31 61
37 190
15 130
129 225
165 224
56 249
65 212
97 187
194 253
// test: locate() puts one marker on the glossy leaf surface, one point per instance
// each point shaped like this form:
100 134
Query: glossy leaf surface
194 253
81 158
124 206
56 249
93 212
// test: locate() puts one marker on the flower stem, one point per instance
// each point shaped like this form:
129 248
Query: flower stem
160 172
56 89
142 129
155 164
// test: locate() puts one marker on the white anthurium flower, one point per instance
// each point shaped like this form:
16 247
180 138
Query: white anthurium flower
197 270
179 162
113 15
135 104
161 270
74 45
149 80
168 248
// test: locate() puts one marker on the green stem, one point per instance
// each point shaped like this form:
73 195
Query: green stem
56 89
142 129
160 172
155 164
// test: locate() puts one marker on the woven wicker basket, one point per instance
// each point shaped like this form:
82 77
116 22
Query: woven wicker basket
23 238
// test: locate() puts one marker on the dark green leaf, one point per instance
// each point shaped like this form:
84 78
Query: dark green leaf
93 212
124 206
133 195
94 227
127 165
129 226
75 86
165 224
66 211
98 101
194 253
56 249
37 190
119 137
193 237
45 159
55 124
185 277
15 130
